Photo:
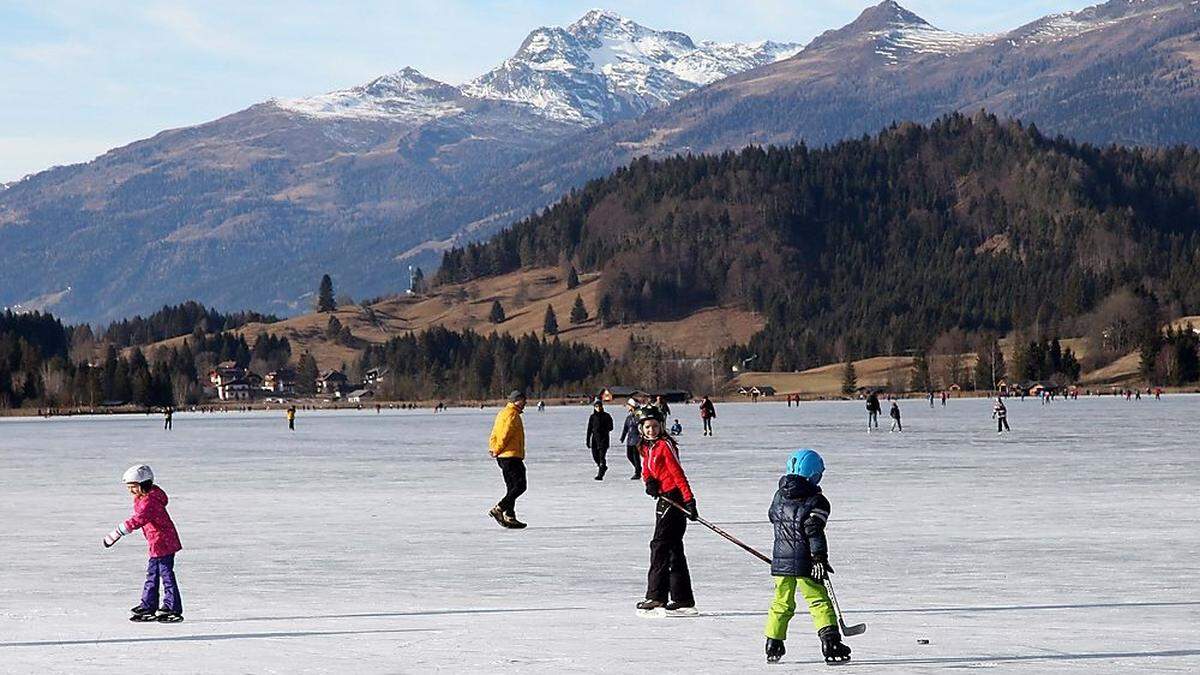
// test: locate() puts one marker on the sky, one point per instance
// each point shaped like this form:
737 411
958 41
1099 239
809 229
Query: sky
79 77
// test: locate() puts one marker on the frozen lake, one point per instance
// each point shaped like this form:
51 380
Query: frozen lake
360 542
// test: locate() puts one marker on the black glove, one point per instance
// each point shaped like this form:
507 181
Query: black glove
653 487
820 568
690 507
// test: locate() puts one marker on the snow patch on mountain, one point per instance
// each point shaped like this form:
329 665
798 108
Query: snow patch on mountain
406 96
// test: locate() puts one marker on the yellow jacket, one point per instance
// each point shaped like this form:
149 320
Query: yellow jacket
508 434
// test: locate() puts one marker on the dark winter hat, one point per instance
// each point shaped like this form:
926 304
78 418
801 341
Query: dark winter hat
516 395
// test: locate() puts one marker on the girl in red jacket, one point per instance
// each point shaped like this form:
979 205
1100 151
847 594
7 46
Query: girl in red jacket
669 585
150 516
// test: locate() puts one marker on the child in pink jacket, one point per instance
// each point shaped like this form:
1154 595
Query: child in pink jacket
150 516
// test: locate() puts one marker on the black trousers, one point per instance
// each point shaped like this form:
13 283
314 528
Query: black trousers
600 456
1002 424
513 470
635 458
708 422
669 577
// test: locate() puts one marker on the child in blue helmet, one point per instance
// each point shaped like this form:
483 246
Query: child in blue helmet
800 559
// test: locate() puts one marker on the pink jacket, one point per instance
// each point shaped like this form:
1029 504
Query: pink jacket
150 515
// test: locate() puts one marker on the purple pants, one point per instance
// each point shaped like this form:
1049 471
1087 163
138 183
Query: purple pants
162 568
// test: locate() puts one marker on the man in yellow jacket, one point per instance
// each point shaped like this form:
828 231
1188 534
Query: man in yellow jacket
507 445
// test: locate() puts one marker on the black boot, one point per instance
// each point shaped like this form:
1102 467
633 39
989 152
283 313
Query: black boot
775 650
648 604
831 645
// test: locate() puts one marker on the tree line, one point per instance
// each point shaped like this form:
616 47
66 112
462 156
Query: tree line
877 245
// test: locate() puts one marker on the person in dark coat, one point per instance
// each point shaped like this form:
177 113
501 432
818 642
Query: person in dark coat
707 413
895 415
873 410
600 425
631 437
800 558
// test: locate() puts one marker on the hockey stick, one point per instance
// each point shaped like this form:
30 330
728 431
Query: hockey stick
723 533
856 629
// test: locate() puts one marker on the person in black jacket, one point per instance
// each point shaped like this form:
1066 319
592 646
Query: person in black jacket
631 436
873 410
600 425
800 558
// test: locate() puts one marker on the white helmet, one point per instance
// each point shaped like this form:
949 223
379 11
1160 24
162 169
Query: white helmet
632 403
138 474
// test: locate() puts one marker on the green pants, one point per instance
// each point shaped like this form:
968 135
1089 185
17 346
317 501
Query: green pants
783 607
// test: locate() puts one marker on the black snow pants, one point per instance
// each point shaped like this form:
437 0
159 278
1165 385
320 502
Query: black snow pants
600 455
513 470
668 576
635 458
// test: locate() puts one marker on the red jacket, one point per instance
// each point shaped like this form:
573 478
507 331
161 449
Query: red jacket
150 515
660 461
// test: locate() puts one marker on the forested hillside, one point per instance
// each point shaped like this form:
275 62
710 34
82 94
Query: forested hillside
879 245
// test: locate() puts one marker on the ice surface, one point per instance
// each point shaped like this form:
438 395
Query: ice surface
359 543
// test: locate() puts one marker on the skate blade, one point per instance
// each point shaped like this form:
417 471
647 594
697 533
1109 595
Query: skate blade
143 618
664 613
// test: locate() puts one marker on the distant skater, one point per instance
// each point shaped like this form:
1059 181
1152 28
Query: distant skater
873 410
629 434
944 397
707 413
661 404
507 445
676 428
151 517
600 425
800 558
894 413
931 399
291 417
1000 414
167 414
541 406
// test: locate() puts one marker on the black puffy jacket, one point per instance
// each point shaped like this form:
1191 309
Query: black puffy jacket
799 512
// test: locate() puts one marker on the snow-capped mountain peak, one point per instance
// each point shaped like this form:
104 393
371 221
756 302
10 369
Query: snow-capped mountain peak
405 95
601 67
894 33
605 66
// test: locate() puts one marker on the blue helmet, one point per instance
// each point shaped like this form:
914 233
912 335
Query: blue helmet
807 464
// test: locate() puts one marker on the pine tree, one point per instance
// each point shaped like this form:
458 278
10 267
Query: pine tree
579 312
849 380
333 329
307 374
325 301
919 379
604 311
550 323
497 313
572 278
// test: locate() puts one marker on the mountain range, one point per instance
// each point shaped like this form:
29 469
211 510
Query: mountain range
250 209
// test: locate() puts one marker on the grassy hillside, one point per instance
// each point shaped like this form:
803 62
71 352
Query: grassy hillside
524 296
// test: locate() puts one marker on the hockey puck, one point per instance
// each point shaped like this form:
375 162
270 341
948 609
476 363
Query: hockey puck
922 641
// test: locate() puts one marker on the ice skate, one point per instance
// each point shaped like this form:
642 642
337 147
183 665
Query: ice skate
142 611
143 618
510 521
775 650
674 608
169 617
498 514
831 646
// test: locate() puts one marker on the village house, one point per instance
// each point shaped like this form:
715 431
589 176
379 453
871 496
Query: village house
360 396
234 390
375 375
331 382
282 381
224 373
621 393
